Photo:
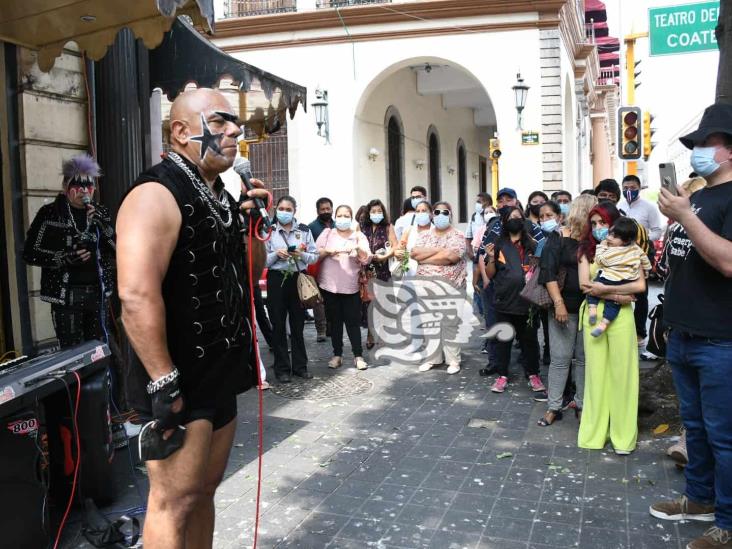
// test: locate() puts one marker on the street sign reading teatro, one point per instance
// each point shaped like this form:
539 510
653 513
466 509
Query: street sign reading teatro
684 28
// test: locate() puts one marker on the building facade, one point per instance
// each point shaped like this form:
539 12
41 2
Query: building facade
416 90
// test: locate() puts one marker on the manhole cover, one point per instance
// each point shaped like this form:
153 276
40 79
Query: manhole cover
320 388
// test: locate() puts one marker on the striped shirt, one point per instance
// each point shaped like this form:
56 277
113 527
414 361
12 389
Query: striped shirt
620 263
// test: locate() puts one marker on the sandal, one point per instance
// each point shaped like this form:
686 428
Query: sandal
545 422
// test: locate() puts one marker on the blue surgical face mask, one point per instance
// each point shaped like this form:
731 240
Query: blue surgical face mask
631 195
600 233
422 219
479 208
376 218
343 223
549 225
416 200
564 209
702 160
284 217
441 221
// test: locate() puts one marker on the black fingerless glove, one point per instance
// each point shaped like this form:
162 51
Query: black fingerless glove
72 258
163 396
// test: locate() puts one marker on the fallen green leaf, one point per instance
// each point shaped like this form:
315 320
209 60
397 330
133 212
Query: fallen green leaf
504 455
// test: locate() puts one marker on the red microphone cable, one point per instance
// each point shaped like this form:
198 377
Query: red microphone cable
75 420
254 229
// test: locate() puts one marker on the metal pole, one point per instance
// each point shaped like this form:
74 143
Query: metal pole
631 167
494 177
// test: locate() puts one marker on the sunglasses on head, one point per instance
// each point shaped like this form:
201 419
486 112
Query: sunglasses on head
441 212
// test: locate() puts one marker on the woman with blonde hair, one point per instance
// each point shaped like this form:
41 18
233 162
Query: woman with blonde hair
560 274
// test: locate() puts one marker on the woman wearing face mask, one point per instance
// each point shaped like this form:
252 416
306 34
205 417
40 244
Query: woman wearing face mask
422 223
440 254
344 252
611 378
536 200
506 264
382 242
560 255
289 251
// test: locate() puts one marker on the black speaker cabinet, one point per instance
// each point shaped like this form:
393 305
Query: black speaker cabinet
24 517
96 480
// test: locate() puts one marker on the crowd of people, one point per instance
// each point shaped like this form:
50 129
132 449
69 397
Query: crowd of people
182 297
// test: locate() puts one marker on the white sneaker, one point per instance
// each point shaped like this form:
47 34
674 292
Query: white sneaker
335 362
426 367
622 452
360 363
453 368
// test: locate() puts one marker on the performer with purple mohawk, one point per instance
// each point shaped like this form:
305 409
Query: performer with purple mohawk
72 240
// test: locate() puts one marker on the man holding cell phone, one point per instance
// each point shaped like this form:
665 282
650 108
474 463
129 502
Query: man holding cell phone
697 311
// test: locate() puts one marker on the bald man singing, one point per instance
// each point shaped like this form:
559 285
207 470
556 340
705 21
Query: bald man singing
181 262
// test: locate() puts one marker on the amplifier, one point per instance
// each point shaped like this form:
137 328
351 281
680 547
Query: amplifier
24 510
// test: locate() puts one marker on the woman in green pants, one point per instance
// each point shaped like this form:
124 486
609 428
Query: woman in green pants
610 409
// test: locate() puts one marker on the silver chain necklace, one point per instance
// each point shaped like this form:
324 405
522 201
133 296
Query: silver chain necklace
73 221
214 204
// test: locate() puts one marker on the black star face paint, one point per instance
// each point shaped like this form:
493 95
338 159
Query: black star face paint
228 117
207 139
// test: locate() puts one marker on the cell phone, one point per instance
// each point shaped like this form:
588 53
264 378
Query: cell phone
291 248
667 171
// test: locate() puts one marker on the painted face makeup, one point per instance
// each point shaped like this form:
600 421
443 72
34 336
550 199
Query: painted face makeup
209 140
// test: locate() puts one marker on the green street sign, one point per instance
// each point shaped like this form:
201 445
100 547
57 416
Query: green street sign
685 28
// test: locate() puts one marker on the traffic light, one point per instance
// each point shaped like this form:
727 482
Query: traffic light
629 133
648 132
495 149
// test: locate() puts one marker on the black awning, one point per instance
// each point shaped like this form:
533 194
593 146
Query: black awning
186 57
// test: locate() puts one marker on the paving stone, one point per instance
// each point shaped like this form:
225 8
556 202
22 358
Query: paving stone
477 503
463 522
515 508
454 540
393 492
433 498
506 528
603 539
428 517
554 534
407 535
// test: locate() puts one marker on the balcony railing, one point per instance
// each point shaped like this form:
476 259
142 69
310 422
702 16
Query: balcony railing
244 8
346 3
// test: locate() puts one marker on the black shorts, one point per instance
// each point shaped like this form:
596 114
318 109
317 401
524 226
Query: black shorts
219 415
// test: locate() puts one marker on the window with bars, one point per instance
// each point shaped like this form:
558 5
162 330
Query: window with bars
244 8
270 163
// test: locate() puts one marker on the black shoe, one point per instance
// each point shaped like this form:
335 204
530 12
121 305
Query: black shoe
304 375
487 371
284 378
540 396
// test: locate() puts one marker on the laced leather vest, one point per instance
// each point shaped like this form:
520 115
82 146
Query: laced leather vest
205 288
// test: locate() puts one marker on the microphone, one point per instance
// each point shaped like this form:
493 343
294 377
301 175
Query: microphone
86 199
243 167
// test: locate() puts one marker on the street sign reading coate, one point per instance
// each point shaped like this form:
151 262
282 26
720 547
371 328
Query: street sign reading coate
684 28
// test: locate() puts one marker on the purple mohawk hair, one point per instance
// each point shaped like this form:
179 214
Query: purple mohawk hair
82 168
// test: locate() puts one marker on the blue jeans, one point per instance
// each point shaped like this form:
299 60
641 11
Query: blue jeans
489 315
478 300
612 308
702 368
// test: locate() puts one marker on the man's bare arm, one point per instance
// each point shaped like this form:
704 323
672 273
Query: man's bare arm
148 224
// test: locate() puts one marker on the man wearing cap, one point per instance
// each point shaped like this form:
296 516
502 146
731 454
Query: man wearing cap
507 198
697 311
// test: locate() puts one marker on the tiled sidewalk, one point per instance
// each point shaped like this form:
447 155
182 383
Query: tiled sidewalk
401 466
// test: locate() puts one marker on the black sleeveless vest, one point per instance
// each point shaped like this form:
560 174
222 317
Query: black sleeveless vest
205 289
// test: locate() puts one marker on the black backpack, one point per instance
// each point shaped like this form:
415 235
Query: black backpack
657 332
